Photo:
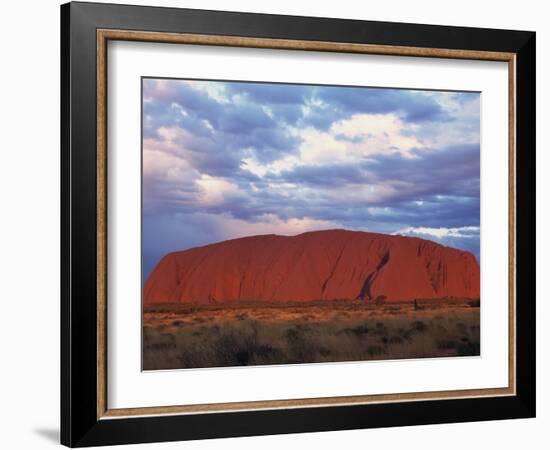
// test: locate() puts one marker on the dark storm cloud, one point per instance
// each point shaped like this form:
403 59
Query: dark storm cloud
247 128
227 130
451 171
338 104
286 104
271 93
411 105
213 135
327 104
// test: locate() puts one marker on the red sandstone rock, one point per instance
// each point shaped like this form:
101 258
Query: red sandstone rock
333 264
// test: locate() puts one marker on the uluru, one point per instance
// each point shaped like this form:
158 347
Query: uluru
319 265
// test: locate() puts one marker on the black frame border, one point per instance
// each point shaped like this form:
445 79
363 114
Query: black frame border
79 423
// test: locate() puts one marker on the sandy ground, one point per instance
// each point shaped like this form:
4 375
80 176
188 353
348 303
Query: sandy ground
218 335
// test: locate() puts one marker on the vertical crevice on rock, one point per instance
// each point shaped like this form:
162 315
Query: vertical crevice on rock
365 290
333 270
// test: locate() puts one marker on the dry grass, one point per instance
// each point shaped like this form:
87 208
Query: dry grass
217 335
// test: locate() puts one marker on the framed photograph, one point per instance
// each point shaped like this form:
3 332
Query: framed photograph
276 224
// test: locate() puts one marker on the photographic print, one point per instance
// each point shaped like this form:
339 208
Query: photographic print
291 224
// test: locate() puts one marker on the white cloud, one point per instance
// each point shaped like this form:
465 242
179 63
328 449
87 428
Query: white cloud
214 90
164 160
367 134
441 232
277 166
380 133
214 190
464 128
319 147
166 166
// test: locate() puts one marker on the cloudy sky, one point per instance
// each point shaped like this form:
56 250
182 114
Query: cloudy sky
230 159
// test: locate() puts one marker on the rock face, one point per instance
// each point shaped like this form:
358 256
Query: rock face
328 265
